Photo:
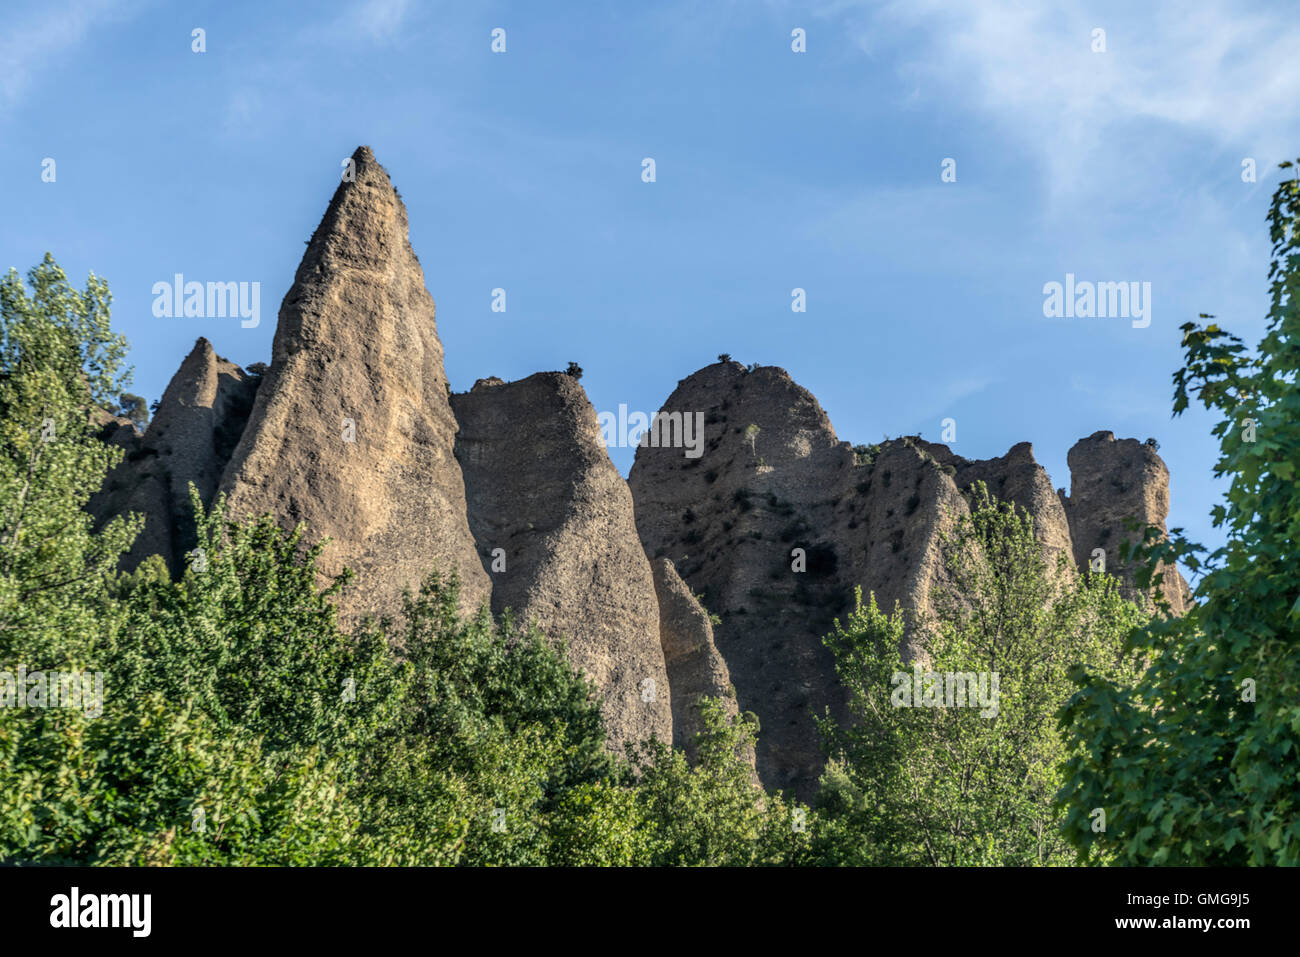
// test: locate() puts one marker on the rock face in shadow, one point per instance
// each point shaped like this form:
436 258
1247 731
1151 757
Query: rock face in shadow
768 481
1112 480
1015 477
778 522
352 431
543 492
695 668
199 419
774 526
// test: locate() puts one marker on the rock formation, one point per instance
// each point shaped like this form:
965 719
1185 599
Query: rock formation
1112 481
353 429
1015 477
553 522
190 440
769 481
695 668
773 526
775 479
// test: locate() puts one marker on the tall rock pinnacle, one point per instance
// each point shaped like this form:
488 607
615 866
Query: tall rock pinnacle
547 504
767 482
352 431
695 668
1113 481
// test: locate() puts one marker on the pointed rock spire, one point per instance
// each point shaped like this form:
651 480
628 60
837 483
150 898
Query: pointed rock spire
352 431
199 419
695 668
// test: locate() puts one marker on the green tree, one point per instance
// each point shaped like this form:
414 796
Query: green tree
712 813
452 750
156 784
135 408
233 691
918 778
60 366
1195 762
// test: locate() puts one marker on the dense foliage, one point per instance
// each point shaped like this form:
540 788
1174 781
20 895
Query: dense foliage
931 771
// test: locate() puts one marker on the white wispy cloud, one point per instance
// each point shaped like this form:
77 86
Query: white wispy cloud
1224 75
39 41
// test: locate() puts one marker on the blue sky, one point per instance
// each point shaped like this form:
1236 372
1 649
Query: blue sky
775 170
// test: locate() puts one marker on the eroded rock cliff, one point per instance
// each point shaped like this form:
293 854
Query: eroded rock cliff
696 669
553 522
1113 481
352 430
778 522
190 440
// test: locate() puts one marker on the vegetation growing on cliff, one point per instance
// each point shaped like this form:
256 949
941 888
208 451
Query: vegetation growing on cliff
953 758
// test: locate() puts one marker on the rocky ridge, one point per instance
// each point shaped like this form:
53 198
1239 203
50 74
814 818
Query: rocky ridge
353 429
